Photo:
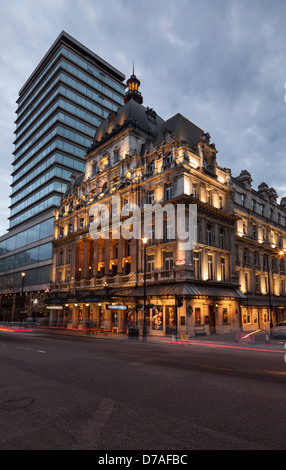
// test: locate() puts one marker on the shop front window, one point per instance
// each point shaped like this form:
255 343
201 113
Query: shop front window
225 315
157 318
198 319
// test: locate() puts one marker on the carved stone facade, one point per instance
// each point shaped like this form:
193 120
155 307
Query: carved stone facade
139 159
260 240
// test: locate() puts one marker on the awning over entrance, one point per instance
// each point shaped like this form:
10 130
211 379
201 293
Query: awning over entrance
159 290
263 302
185 289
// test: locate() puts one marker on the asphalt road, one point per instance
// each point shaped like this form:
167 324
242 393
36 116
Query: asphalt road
83 393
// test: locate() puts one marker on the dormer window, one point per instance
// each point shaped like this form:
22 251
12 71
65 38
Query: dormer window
151 197
151 167
168 158
116 155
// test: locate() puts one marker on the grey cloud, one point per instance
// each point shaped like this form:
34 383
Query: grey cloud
221 64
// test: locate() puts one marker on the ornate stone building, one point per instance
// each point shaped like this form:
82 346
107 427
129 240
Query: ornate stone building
138 159
260 240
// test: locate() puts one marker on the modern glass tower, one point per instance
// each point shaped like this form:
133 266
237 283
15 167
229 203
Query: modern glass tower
65 99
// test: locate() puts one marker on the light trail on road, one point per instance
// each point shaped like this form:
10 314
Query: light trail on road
225 346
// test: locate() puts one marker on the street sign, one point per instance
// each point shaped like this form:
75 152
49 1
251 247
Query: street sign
91 299
183 336
116 307
245 338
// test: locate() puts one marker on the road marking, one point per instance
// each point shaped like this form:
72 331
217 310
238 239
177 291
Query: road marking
36 350
217 368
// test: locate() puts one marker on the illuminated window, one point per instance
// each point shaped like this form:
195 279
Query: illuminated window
168 260
197 265
223 270
210 267
150 263
225 315
198 318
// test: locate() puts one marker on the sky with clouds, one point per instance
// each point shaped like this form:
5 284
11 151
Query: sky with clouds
220 63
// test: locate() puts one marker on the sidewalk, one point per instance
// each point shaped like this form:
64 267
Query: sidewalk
261 338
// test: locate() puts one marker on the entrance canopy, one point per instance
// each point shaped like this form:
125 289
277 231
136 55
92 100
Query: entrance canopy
263 302
185 289
160 290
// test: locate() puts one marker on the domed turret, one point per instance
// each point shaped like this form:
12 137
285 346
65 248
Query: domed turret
133 84
131 115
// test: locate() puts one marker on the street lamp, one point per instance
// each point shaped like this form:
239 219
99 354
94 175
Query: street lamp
23 274
269 293
144 241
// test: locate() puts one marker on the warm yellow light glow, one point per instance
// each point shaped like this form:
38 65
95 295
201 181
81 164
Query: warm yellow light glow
144 240
23 274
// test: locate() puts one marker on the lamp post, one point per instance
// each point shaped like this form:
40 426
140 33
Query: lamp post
269 293
282 253
144 241
23 274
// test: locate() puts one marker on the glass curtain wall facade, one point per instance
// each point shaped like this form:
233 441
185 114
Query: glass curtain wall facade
68 95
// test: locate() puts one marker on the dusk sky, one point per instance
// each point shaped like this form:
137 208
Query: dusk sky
220 63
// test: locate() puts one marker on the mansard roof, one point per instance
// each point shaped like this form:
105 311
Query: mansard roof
181 129
133 115
130 115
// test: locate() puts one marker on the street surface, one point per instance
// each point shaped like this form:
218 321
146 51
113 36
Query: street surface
87 392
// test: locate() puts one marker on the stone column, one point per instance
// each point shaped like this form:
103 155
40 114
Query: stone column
75 316
95 257
73 261
107 256
120 255
85 260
